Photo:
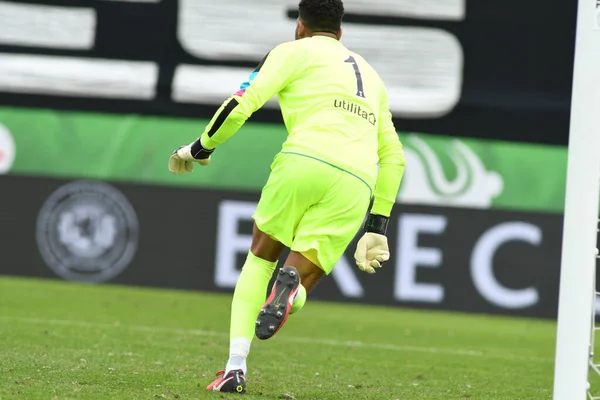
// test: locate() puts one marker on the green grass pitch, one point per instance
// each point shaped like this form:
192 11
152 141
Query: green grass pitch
62 340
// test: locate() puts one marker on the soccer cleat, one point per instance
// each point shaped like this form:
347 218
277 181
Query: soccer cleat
273 314
233 382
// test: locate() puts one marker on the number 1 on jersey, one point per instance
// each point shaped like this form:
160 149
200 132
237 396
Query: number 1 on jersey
360 90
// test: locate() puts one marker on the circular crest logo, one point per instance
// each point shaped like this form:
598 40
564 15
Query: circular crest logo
87 231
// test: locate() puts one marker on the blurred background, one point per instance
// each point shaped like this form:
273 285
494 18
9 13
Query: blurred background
96 94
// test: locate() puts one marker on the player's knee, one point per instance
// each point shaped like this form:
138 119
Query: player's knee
265 247
310 273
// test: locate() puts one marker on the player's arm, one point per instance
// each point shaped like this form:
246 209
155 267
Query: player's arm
275 71
391 164
372 249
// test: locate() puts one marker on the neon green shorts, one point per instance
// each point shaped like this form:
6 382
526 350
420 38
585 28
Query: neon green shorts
312 207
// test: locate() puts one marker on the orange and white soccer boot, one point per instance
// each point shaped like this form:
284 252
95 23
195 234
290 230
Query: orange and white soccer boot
233 382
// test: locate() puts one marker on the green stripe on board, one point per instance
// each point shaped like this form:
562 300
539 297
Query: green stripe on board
440 170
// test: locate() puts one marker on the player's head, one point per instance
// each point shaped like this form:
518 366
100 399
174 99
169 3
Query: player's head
320 17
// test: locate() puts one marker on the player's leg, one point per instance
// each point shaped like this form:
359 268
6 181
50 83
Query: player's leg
288 295
322 236
248 297
309 273
327 229
278 213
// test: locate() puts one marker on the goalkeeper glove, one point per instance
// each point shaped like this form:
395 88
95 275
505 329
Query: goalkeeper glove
372 248
182 160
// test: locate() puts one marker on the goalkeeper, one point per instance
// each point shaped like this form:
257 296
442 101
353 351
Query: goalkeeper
342 150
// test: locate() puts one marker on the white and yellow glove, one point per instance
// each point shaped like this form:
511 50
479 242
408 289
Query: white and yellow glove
372 249
182 160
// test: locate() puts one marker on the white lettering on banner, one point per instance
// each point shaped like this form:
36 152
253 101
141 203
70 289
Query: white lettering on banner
482 264
410 257
47 26
230 243
450 10
26 73
66 28
422 67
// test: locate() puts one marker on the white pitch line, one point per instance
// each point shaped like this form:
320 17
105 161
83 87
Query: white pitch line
328 342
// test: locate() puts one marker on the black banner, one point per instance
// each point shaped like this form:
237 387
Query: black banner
477 68
442 258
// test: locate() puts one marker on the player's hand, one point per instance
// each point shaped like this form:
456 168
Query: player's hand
371 251
182 160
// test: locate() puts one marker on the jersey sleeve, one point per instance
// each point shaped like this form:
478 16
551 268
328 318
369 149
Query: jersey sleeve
276 70
391 163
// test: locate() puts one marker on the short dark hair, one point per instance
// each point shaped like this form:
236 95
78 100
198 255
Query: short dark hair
322 15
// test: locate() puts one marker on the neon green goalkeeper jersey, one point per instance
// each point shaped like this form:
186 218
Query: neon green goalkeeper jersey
335 108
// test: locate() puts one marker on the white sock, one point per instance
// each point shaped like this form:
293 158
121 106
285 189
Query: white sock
239 348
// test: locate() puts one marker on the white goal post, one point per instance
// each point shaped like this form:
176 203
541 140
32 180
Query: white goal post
578 263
